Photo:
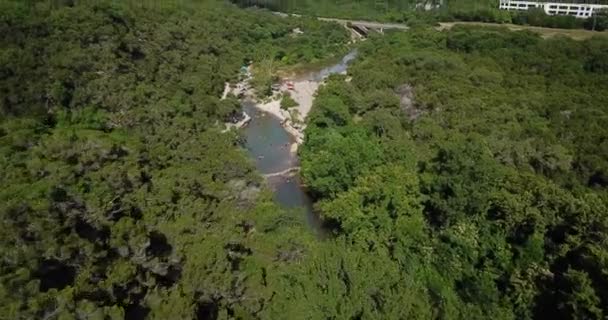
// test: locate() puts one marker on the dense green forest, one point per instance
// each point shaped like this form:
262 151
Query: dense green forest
429 12
120 197
470 167
462 174
413 12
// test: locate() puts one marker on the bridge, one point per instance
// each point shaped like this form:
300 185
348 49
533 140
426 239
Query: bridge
367 24
362 28
359 27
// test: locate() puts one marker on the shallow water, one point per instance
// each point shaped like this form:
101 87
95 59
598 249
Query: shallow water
340 67
288 191
267 141
269 145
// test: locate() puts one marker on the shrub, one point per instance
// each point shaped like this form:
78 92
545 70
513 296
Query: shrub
287 101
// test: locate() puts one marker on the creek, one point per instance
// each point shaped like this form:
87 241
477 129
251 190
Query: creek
268 143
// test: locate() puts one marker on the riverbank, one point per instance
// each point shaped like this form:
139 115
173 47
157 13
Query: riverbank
245 121
301 87
273 135
293 119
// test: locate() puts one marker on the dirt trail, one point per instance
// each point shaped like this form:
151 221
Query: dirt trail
576 34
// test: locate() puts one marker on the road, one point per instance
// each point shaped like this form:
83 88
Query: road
367 24
576 34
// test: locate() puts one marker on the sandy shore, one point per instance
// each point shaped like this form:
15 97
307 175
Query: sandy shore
303 94
293 120
246 118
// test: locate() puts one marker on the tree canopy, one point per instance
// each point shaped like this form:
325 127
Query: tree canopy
461 174
478 171
121 197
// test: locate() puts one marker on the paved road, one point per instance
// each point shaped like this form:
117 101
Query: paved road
368 24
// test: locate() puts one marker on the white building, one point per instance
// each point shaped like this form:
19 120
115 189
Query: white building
579 10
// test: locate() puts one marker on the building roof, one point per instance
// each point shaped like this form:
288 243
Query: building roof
573 1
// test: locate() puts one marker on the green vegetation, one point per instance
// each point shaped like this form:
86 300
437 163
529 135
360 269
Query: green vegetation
462 174
429 12
467 171
120 197
576 34
284 48
287 101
